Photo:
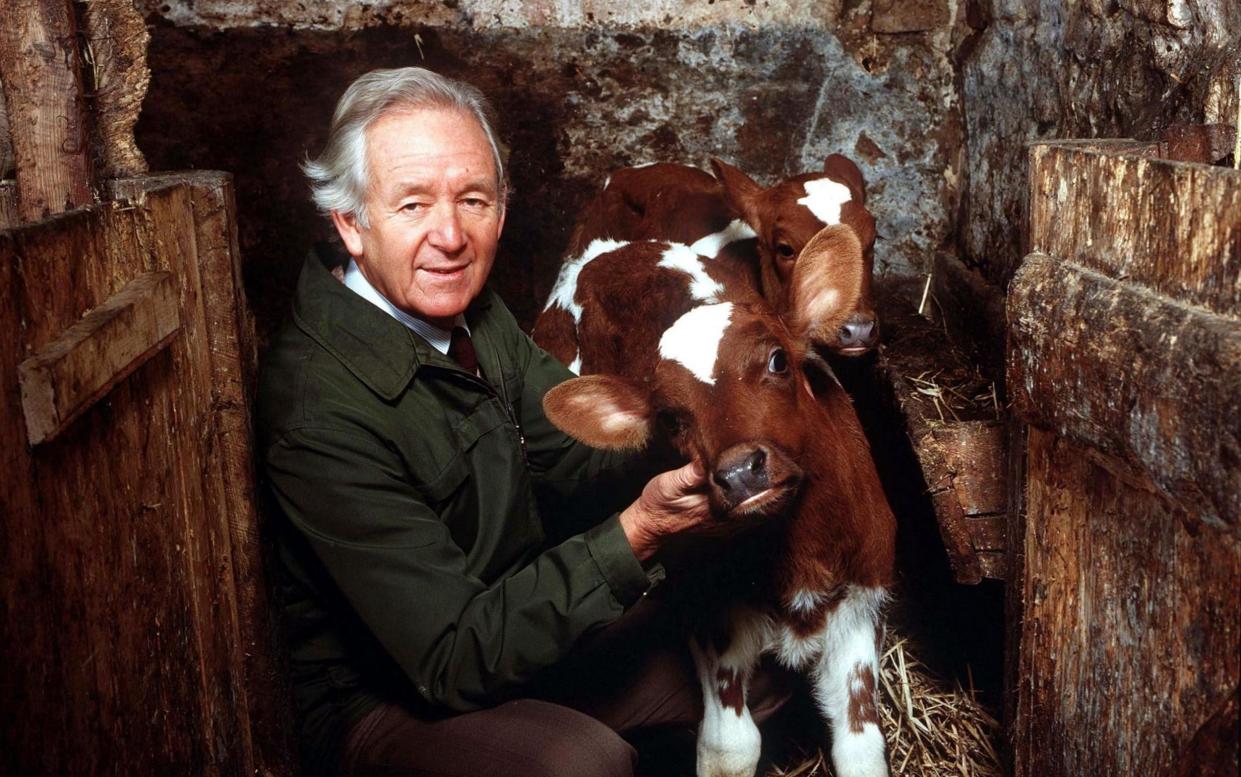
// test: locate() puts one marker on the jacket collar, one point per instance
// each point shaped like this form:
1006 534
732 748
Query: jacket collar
379 350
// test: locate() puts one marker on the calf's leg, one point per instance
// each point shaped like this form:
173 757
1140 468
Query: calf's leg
845 682
728 741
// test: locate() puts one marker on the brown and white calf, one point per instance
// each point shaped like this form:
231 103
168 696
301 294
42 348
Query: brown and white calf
802 535
733 218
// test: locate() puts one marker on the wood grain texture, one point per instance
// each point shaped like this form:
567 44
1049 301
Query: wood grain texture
1129 655
233 357
41 74
952 422
8 204
1124 356
115 39
127 644
1133 373
75 370
1110 206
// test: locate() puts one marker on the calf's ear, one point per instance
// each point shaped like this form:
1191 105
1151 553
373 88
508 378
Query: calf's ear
602 411
841 168
827 283
740 192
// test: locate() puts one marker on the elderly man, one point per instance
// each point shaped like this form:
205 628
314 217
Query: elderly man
431 594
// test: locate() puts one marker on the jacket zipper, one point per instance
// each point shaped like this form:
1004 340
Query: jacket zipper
501 395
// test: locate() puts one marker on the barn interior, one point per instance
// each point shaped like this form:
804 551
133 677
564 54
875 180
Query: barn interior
938 103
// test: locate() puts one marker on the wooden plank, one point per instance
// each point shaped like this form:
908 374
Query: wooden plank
1133 373
73 372
964 466
116 570
951 416
1129 662
41 74
232 354
1110 207
1125 351
8 204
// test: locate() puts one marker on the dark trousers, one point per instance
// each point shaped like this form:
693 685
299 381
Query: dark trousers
636 674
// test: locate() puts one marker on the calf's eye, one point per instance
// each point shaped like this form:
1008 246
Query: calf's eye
672 422
785 250
778 362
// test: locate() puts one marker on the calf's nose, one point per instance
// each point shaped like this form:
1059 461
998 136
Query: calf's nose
741 473
860 331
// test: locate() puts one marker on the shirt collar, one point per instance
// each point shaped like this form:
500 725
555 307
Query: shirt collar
438 338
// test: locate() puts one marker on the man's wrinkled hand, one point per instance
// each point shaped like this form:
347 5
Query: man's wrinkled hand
671 502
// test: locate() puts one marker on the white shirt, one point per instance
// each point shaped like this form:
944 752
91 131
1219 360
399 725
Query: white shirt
439 339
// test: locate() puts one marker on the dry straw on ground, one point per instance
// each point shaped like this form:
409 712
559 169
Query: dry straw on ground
932 730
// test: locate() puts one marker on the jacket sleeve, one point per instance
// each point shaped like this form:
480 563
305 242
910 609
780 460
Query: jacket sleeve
462 642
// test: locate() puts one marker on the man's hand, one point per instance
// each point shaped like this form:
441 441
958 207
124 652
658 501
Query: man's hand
671 502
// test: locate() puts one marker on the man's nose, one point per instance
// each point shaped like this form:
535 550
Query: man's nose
446 233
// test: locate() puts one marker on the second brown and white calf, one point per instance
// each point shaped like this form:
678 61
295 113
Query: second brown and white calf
733 219
685 350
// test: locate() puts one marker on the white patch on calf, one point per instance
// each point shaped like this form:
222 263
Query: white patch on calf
824 198
729 742
575 366
805 600
694 339
711 245
702 287
848 639
565 290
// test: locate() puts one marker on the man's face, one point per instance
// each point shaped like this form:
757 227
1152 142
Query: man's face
434 209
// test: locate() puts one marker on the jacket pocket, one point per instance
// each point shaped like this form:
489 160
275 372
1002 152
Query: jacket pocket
446 483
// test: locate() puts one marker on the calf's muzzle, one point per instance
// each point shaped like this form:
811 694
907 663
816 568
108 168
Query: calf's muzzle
754 479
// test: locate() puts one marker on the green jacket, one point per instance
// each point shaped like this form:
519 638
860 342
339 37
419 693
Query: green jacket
418 566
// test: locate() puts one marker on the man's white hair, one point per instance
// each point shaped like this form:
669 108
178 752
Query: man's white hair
339 177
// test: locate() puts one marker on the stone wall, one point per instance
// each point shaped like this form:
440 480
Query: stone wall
582 88
935 100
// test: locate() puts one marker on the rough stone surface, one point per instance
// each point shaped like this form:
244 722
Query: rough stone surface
485 14
935 99
575 103
909 15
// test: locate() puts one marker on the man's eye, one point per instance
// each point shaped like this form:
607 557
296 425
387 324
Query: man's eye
475 202
411 207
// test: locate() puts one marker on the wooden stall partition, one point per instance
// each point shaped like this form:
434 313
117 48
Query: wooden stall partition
137 637
1125 361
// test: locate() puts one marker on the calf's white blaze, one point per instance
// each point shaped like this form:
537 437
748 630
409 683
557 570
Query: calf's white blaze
565 290
824 198
693 340
711 245
702 287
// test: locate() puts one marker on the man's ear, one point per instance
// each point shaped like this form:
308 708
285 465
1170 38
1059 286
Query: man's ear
740 192
827 283
602 411
350 232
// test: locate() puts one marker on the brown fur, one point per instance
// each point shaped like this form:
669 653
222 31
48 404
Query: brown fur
862 709
681 204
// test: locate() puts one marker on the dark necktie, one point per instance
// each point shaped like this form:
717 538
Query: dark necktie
461 350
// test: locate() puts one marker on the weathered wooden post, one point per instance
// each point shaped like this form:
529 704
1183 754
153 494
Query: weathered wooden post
1125 359
41 70
136 630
